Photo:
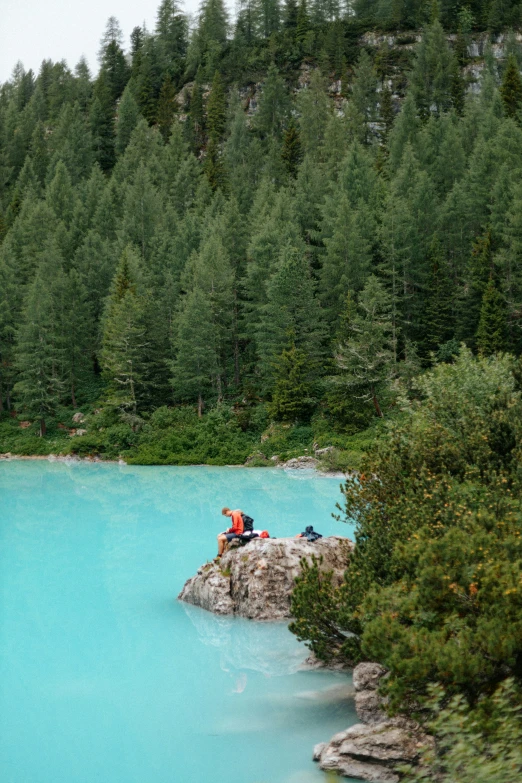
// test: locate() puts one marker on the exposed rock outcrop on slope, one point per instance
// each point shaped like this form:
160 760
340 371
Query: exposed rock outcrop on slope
257 580
372 750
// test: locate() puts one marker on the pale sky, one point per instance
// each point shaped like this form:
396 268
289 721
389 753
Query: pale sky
34 30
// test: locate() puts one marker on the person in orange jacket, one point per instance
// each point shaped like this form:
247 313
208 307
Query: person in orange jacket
233 532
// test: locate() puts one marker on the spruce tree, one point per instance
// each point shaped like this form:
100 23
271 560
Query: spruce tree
364 94
274 105
216 109
314 107
112 60
196 361
126 121
291 153
511 89
439 316
492 328
125 341
432 74
39 352
167 107
291 307
292 396
101 116
366 358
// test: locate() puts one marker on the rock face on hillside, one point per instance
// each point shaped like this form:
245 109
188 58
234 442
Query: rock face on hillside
257 580
371 750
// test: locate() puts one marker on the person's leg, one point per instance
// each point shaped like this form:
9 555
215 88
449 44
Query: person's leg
222 540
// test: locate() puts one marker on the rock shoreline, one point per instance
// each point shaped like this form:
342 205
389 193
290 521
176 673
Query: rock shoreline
257 580
7 456
372 750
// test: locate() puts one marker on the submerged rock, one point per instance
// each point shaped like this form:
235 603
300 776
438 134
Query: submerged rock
256 580
373 749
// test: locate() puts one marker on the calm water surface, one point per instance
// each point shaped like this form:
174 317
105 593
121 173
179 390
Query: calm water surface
104 676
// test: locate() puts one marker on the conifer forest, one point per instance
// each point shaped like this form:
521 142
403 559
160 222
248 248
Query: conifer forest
271 223
294 231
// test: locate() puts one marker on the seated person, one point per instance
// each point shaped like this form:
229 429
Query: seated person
233 532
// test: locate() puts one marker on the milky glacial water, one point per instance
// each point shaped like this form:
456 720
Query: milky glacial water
104 676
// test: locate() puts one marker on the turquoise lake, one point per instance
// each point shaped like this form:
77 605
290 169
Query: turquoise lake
104 676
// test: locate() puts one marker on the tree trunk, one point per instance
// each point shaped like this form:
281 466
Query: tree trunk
200 406
73 398
43 428
376 404
236 343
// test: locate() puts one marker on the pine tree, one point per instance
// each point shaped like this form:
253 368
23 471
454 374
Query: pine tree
314 106
386 114
511 89
291 307
195 364
38 353
214 168
492 328
366 358
290 15
76 334
432 75
364 94
274 105
195 123
101 118
303 22
292 154
439 318
171 31
216 109
167 107
125 342
112 60
126 121
292 396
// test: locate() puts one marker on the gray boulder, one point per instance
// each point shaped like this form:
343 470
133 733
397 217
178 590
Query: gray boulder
257 580
372 750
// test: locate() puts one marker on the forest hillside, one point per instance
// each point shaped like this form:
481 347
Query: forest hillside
243 239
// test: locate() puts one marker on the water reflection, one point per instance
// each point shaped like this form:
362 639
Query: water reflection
245 645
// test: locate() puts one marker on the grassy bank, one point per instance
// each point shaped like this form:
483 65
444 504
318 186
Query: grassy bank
177 436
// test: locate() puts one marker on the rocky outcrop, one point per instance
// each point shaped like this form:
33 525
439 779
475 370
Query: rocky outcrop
256 580
372 750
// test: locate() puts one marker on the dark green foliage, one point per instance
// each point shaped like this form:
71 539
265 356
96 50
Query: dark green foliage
492 332
167 107
292 153
439 317
511 89
292 396
432 588
216 109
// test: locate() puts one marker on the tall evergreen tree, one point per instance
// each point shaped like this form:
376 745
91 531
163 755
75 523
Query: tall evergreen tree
491 331
292 396
292 154
432 75
216 109
125 342
511 89
39 351
366 358
195 365
112 60
126 121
